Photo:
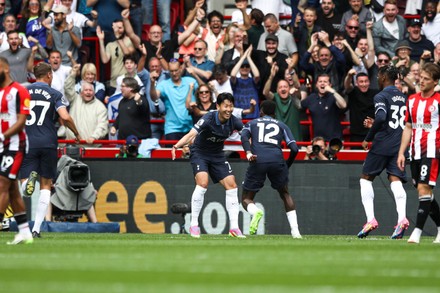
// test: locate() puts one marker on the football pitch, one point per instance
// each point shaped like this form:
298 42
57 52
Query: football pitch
68 262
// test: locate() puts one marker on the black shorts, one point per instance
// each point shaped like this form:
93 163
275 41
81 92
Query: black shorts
218 168
11 162
41 160
374 165
425 171
278 175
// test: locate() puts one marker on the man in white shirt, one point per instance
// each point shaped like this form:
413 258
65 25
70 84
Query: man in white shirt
431 29
59 71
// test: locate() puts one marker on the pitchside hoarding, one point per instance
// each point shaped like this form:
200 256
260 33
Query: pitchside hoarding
139 194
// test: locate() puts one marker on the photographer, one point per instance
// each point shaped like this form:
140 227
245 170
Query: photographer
130 149
317 150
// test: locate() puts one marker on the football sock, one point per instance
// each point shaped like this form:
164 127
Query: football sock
23 186
367 194
252 209
197 204
291 217
43 202
416 234
232 207
22 223
400 198
423 211
435 212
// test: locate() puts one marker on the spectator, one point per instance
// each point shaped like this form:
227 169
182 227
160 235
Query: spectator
157 108
133 112
130 65
352 33
359 12
203 104
110 11
241 15
287 102
418 42
163 10
173 92
59 71
317 150
328 19
187 47
115 51
365 50
31 26
231 56
431 27
89 114
303 30
257 29
10 24
199 65
63 36
286 43
389 29
350 57
21 60
245 87
137 14
325 107
14 11
360 103
88 74
79 20
264 60
331 61
214 34
267 7
383 59
220 83
228 41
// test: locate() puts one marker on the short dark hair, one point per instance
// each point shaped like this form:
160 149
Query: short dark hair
42 69
225 97
268 107
131 83
390 72
360 74
131 57
257 15
219 69
215 13
433 70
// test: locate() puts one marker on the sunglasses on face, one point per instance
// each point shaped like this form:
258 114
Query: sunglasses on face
353 27
383 60
204 92
198 49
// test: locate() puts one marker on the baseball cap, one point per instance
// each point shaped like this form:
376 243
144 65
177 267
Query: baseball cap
271 37
132 139
60 9
415 21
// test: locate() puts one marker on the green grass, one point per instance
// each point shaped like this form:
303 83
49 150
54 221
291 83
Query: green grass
66 262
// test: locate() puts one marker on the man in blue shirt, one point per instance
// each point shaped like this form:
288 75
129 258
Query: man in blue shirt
208 159
386 134
262 138
173 93
46 105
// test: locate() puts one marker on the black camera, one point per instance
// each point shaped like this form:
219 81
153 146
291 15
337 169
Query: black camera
316 149
132 150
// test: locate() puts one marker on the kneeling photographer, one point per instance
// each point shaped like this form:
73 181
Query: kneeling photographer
130 149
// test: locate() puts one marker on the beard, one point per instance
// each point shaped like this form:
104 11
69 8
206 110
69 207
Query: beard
431 18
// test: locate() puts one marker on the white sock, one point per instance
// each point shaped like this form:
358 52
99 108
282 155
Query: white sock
367 194
23 186
232 207
197 204
291 217
43 202
252 209
400 198
416 234
24 229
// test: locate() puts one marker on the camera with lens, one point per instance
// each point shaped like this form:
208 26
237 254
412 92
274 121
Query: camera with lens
316 149
132 150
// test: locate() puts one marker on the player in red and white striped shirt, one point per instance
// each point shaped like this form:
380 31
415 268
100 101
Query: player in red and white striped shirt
422 133
14 108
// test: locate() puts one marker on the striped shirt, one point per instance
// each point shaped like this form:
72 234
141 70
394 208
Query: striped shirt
424 116
14 100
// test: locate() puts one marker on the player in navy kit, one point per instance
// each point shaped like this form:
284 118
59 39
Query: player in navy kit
208 159
385 134
261 139
45 107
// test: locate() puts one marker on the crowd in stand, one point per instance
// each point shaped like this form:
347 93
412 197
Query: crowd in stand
323 64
